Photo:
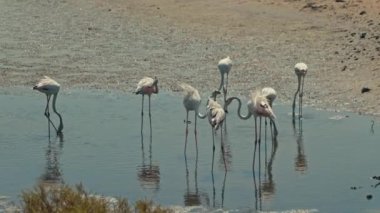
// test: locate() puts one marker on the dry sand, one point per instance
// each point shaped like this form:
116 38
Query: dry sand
111 44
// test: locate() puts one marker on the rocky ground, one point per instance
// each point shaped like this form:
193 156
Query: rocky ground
111 44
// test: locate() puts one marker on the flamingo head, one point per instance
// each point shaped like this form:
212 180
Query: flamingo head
214 94
264 109
155 82
300 69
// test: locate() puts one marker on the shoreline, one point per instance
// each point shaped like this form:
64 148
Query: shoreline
111 45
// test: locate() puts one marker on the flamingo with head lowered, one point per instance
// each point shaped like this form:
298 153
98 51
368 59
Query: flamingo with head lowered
50 87
191 102
224 66
300 69
216 116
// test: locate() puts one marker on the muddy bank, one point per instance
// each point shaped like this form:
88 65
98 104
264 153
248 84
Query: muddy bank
112 44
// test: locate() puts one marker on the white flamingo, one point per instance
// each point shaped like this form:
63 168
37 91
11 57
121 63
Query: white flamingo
271 95
146 86
258 106
300 69
224 66
50 87
216 116
191 102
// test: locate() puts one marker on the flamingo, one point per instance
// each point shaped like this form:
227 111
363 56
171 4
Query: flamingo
300 69
50 87
216 116
224 66
191 102
271 95
258 106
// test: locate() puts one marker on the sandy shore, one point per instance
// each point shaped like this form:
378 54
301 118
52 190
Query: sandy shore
111 44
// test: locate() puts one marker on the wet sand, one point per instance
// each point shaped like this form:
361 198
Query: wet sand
111 44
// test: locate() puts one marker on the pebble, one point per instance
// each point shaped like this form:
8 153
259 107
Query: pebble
365 89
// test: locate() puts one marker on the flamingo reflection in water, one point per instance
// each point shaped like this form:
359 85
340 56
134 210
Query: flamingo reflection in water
52 176
264 189
225 161
148 174
300 161
194 197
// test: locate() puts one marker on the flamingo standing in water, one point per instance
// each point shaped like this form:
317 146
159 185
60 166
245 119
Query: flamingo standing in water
216 116
191 102
271 95
300 69
258 106
146 86
224 66
50 87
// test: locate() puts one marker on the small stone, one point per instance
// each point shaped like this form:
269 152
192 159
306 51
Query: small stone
369 197
365 89
362 12
344 68
363 35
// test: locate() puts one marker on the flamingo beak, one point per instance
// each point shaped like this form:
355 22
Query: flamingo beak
271 113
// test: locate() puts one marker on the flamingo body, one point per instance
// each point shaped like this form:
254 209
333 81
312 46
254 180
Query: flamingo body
259 106
216 114
47 86
224 65
270 94
147 86
300 69
191 99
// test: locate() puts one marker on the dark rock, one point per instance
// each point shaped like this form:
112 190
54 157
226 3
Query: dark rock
369 197
365 89
344 68
363 35
362 12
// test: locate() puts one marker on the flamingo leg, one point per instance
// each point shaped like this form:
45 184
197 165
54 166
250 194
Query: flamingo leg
195 131
149 107
187 129
150 120
222 147
142 114
47 113
259 149
301 96
212 177
254 150
213 139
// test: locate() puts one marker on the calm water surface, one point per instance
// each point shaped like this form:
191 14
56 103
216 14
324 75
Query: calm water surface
313 165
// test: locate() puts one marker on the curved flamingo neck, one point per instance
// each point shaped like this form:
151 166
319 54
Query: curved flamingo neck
221 81
60 127
246 117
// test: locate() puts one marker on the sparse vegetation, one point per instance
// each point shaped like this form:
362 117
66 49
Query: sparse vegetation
43 199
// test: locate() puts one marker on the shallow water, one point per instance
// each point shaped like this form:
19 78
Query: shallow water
103 148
